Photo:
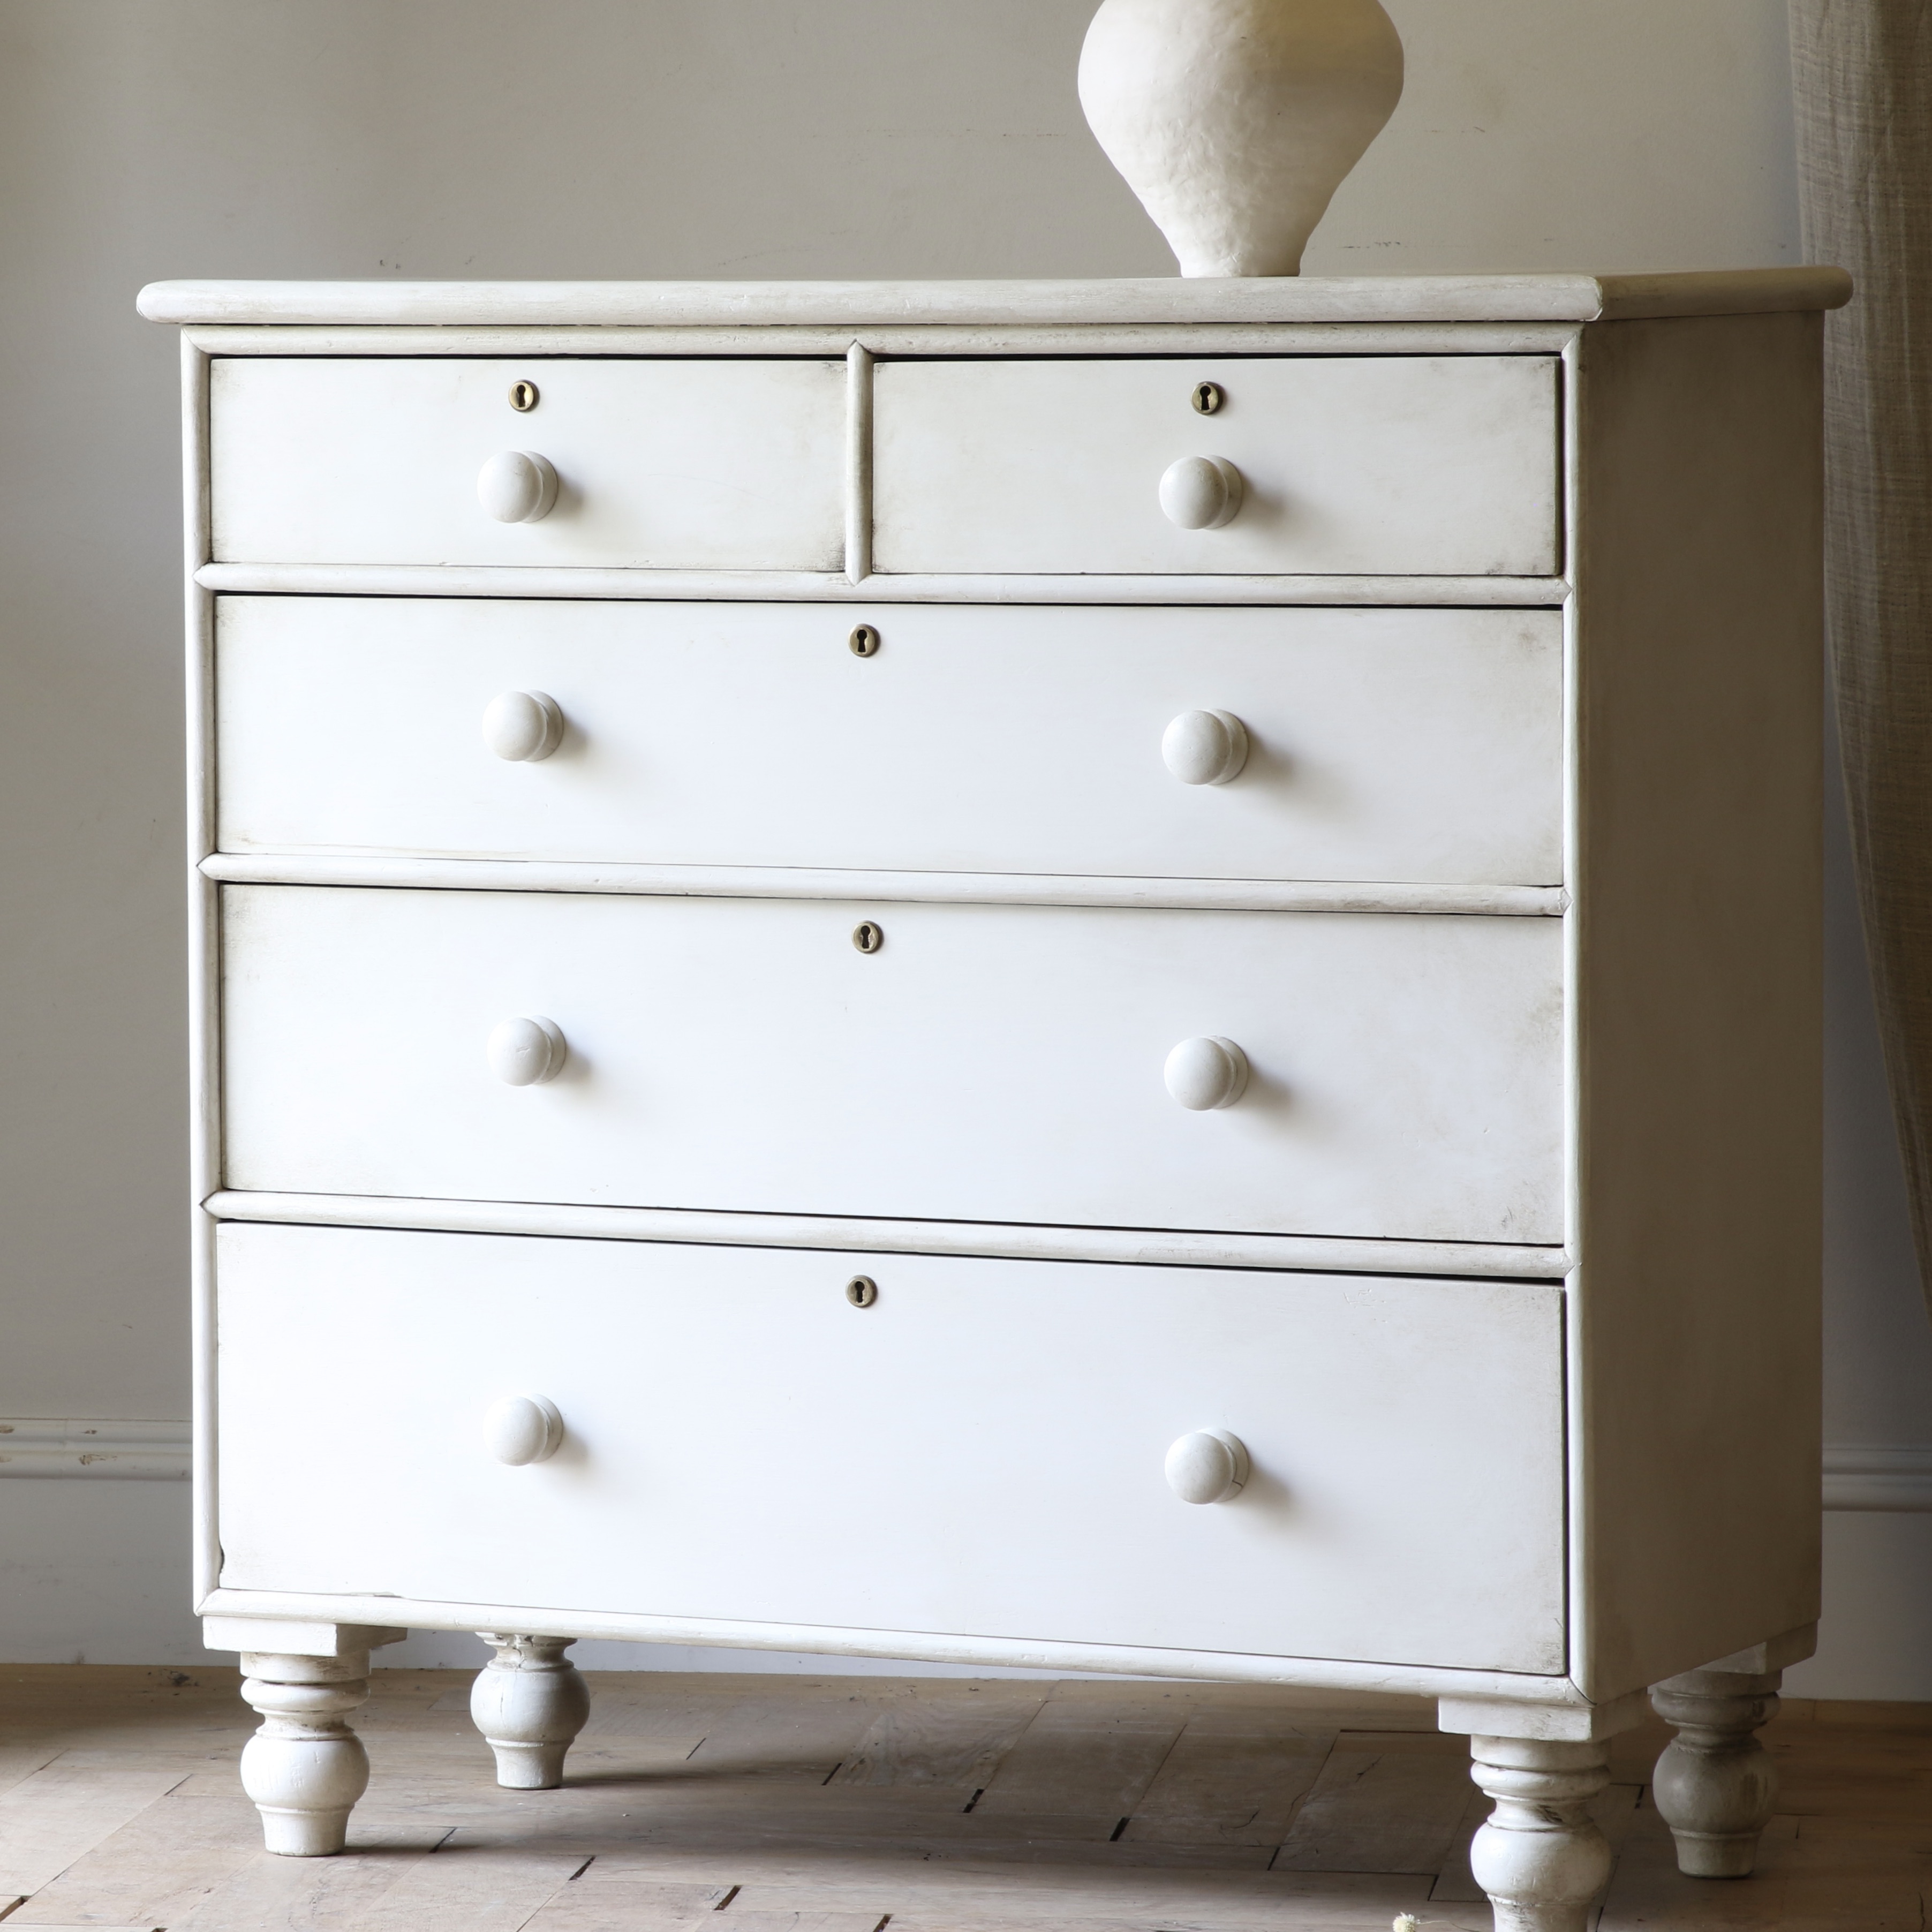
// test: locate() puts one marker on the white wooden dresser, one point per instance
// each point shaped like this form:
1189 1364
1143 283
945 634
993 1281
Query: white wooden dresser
1109 976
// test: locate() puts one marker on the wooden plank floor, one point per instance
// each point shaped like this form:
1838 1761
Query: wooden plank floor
711 1803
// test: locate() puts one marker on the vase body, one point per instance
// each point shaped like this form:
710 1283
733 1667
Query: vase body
1235 121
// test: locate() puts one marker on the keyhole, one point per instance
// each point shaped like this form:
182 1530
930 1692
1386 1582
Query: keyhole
861 1290
865 642
1207 398
524 397
868 938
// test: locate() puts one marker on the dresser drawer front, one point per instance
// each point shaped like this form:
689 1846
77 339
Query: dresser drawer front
1408 746
980 1453
679 465
988 1063
1406 465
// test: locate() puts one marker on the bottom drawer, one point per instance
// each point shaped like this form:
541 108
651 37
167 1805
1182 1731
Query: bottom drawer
980 1453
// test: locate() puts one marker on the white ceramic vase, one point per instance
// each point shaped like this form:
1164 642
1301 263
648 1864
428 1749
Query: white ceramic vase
1235 121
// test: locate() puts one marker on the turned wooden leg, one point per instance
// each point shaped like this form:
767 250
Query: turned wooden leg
529 1701
1540 1857
304 1768
1715 1784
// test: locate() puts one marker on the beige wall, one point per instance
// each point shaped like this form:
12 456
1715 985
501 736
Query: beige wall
141 139
1576 134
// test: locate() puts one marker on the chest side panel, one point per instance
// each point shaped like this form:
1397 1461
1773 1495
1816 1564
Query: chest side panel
1700 667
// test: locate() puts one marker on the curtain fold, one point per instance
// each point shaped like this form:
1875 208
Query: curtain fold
1861 75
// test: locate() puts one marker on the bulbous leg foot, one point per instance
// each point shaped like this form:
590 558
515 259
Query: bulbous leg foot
1540 1857
529 1701
304 1768
1715 1784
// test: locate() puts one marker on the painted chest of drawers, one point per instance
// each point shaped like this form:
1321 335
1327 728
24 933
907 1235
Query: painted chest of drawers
1111 976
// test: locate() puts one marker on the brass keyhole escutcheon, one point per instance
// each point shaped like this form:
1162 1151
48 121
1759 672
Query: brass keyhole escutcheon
868 938
524 397
861 1290
1207 398
865 642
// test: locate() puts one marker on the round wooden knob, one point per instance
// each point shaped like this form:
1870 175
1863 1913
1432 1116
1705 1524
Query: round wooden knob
522 1429
1210 1466
1204 747
523 726
527 1052
516 486
1202 493
1204 1074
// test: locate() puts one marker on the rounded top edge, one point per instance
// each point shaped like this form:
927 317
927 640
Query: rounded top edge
1540 297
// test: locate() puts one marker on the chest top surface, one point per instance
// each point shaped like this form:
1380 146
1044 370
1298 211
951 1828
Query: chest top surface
1392 299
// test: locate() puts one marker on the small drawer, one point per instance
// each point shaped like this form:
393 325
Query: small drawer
1389 466
1391 745
668 464
1005 1063
981 1452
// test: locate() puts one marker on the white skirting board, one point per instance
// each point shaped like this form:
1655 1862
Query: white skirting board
139 1451
1878 1476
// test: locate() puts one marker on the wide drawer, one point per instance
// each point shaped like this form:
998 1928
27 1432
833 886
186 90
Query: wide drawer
980 1453
986 1063
682 465
1411 465
1406 746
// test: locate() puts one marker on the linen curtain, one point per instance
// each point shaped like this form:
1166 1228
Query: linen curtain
1862 77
